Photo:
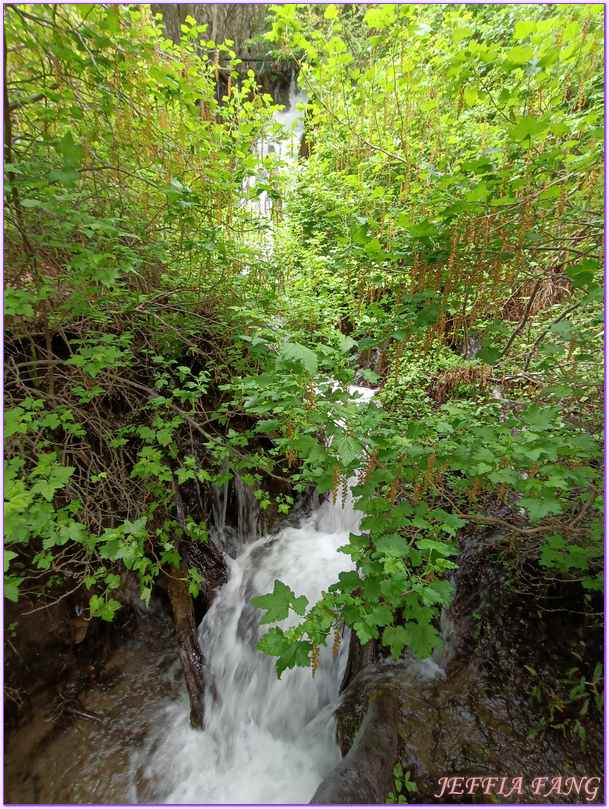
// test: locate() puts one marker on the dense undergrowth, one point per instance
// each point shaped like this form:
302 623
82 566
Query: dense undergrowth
441 241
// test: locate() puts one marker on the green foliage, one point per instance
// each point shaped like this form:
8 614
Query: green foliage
445 143
424 479
453 191
279 602
124 188
401 784
564 702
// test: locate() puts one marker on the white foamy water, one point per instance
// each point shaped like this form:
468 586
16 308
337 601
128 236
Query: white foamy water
284 151
265 740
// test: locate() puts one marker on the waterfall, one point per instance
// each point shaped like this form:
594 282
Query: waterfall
239 498
284 150
265 740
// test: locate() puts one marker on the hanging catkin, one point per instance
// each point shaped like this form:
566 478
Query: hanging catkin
345 491
336 644
314 660
335 483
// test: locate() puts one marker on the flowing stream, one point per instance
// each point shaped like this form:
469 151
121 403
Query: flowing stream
285 151
265 740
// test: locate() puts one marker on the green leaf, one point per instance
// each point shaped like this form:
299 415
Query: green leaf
11 587
72 153
77 532
527 127
365 632
396 637
424 639
538 508
423 229
104 609
297 654
540 418
520 55
370 376
8 555
551 192
296 352
65 176
184 474
359 231
347 581
438 592
299 605
490 356
136 528
451 523
278 603
18 302
583 274
379 615
471 96
582 279
273 642
345 343
347 448
395 541
523 28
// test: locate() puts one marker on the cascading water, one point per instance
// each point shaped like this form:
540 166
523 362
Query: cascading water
284 150
292 123
265 740
239 497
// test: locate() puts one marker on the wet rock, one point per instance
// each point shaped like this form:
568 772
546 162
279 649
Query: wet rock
467 710
365 775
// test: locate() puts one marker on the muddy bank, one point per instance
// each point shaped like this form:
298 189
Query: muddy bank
75 743
49 647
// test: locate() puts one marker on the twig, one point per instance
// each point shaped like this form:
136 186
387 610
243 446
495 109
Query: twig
525 317
330 112
55 601
563 314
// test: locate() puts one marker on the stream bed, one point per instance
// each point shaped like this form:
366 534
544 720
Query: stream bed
265 740
119 731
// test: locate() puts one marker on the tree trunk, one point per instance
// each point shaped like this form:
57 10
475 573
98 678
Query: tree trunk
191 656
359 657
237 22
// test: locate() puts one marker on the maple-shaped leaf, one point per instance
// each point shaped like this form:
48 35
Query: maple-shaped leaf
396 637
423 639
278 603
297 654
